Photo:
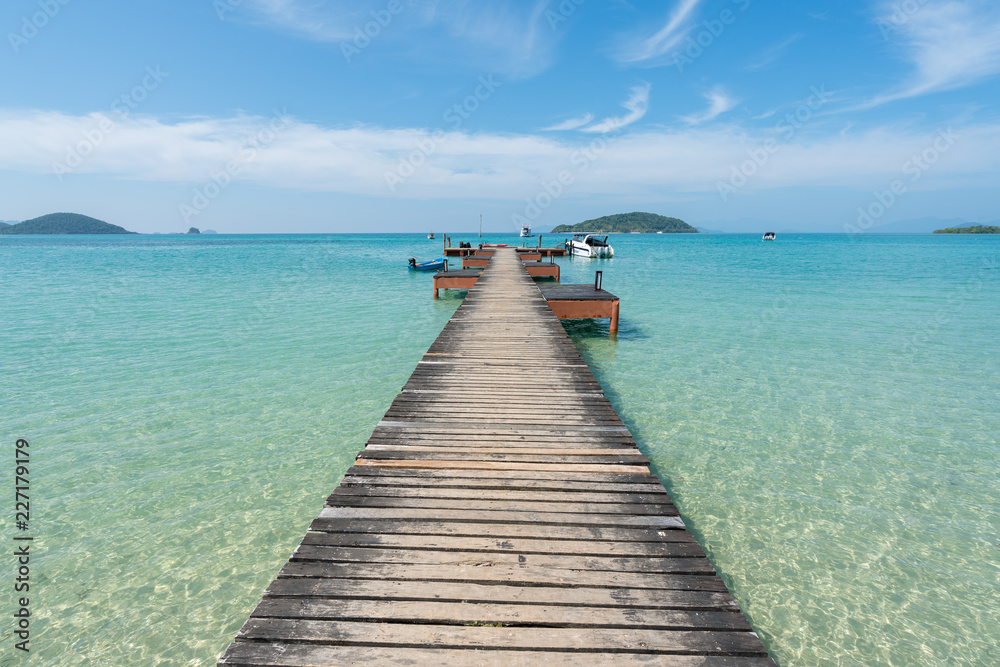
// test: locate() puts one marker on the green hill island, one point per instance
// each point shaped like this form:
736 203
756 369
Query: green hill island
626 223
974 229
64 223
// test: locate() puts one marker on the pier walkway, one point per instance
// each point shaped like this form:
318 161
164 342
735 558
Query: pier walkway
502 515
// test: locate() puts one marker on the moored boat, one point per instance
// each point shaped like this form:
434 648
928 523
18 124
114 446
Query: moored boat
588 245
525 230
431 235
432 265
769 236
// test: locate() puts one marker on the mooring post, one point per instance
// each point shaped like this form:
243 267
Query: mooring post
614 317
598 280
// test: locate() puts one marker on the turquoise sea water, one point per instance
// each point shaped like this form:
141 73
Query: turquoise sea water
824 411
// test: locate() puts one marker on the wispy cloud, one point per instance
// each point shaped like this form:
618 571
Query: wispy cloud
950 44
719 102
772 53
311 20
665 39
570 124
637 105
507 37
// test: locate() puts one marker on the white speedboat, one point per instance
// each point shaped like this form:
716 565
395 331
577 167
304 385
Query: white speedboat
769 236
588 245
525 230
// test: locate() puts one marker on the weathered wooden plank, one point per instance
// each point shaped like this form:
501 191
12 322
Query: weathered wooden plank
461 613
687 548
486 439
594 639
258 654
607 511
499 483
585 448
565 430
470 592
588 476
501 494
473 528
341 554
625 458
488 465
524 576
533 515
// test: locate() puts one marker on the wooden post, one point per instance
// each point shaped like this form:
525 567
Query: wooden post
614 317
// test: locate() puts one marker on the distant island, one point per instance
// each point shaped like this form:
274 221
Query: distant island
974 229
625 223
64 223
194 230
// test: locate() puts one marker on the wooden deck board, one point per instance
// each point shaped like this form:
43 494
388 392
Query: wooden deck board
501 487
279 654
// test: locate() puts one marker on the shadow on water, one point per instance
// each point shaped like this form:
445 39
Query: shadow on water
580 330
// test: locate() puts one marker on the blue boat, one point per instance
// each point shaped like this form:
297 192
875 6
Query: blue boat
433 265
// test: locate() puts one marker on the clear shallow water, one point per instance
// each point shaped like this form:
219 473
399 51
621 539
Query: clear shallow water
824 412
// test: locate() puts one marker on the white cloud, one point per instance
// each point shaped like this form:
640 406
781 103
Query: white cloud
719 102
308 157
570 124
666 38
637 105
950 44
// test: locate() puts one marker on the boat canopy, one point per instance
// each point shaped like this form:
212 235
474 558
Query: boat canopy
591 240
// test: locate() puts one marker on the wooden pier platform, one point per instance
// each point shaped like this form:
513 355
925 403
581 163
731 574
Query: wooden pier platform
570 302
474 262
557 251
462 279
454 251
499 515
542 269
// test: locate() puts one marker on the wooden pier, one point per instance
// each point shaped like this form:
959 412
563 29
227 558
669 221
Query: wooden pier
499 515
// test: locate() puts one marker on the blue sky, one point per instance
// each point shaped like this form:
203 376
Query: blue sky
411 115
